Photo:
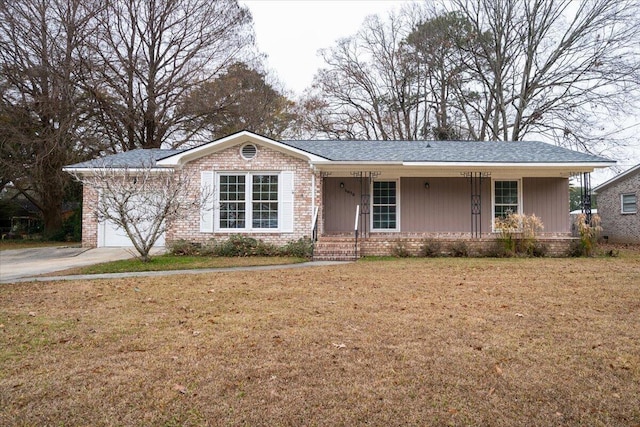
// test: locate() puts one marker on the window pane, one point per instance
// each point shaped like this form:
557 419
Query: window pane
505 198
265 201
629 203
384 205
232 206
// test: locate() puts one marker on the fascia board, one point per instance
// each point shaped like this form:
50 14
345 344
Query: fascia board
572 166
93 171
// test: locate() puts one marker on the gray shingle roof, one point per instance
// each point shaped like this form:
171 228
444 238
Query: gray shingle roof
128 159
389 151
444 151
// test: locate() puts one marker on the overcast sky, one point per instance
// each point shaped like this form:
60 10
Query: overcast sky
290 32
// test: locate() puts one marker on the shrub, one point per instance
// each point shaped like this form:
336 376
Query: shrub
431 248
301 248
538 249
459 249
242 246
71 230
589 233
518 233
236 245
399 249
495 250
184 247
575 249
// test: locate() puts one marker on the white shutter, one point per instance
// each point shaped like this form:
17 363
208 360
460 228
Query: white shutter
286 207
206 208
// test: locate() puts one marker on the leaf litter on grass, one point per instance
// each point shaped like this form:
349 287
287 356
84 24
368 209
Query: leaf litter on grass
397 342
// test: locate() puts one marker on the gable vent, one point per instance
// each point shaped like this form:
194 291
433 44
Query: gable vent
249 151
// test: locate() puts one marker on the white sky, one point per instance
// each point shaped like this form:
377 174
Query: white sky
290 32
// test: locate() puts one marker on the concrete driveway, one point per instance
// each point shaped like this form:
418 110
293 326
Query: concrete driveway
21 263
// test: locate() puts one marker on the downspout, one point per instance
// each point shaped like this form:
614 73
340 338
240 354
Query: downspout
313 194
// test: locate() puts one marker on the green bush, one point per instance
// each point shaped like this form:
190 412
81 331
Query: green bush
71 230
241 246
301 248
236 245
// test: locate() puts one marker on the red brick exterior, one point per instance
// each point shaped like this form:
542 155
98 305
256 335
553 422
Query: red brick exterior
265 160
89 217
308 186
620 227
383 246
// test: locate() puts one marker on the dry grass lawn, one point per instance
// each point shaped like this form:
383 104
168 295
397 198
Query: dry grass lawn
498 342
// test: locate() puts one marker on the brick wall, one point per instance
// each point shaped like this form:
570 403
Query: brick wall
384 245
265 160
89 217
619 227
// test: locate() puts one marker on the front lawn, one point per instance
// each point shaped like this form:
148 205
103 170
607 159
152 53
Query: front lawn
444 341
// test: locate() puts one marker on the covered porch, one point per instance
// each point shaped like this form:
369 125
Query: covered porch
384 210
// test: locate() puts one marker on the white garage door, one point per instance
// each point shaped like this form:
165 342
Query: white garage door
110 235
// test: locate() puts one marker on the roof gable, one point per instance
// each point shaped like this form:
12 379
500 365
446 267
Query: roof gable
624 175
243 137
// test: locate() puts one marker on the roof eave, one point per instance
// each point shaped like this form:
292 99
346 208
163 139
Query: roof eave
616 178
96 170
578 166
573 166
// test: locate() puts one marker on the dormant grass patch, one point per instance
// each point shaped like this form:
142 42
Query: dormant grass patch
497 342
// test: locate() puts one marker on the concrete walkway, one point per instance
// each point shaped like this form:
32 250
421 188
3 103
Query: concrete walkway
31 265
172 272
24 263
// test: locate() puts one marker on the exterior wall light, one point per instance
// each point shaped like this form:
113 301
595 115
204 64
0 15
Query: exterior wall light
426 185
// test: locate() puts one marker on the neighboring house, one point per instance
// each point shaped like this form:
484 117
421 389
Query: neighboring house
618 207
280 191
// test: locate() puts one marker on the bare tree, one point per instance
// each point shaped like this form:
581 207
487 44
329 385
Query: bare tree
369 88
485 69
46 119
152 52
143 201
555 68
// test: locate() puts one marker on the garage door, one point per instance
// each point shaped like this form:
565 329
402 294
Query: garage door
110 235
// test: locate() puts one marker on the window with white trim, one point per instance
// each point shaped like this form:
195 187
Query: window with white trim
265 201
629 203
506 198
384 205
233 207
253 206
